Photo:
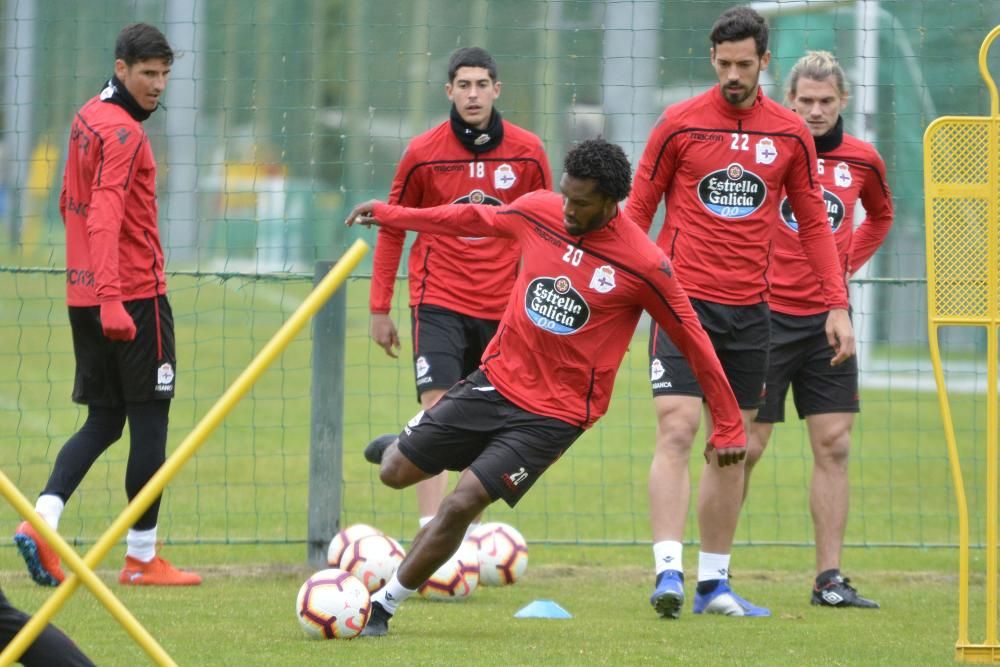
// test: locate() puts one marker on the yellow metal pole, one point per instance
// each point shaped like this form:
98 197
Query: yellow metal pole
959 482
993 212
984 70
991 486
16 648
154 487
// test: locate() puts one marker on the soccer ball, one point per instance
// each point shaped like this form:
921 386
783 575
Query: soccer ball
373 560
503 553
343 539
332 604
457 578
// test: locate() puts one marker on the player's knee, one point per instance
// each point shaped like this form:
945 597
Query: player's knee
677 424
105 424
755 450
460 507
834 449
675 437
397 471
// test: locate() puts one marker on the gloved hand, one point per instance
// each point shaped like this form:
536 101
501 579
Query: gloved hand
726 454
116 322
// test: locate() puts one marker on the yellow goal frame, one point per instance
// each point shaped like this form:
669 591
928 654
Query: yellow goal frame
962 209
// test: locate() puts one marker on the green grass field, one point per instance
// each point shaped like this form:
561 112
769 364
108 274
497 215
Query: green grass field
244 614
238 511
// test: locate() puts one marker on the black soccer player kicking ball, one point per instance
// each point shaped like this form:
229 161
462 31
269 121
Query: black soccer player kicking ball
587 274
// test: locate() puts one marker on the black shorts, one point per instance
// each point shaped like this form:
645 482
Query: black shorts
740 336
800 356
108 372
447 346
474 427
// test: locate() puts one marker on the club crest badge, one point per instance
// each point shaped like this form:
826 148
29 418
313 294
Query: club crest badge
603 279
766 152
842 175
165 374
165 377
503 177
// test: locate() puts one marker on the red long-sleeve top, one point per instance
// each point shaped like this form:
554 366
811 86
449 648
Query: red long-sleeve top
850 172
472 275
108 205
721 170
574 308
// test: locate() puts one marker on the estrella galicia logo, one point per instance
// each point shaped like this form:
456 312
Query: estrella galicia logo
732 192
554 305
834 212
478 197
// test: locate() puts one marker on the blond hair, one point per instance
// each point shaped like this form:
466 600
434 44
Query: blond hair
818 66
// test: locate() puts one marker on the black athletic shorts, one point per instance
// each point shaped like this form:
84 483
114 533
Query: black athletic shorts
447 346
800 356
108 372
474 427
740 336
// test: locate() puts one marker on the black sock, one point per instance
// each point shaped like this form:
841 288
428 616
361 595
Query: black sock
706 587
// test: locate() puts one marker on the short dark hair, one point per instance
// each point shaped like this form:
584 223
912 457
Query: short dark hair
739 23
141 41
471 56
604 162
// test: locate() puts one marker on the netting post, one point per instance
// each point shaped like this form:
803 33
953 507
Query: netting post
327 421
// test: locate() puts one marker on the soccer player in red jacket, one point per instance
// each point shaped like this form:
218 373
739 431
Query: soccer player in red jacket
826 396
587 273
122 325
720 161
458 286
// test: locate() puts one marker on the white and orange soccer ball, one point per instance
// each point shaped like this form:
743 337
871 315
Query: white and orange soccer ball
373 560
457 578
503 553
332 604
344 539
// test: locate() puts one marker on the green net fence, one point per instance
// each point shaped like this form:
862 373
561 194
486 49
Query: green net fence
280 116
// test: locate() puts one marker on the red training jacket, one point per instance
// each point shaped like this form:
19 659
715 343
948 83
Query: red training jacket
573 310
721 171
471 275
852 171
108 204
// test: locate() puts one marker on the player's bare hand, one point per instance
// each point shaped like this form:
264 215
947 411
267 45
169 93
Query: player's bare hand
840 335
725 456
383 331
363 214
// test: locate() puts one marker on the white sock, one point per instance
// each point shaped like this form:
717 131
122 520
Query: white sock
50 507
142 544
668 556
392 594
713 566
472 527
424 520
